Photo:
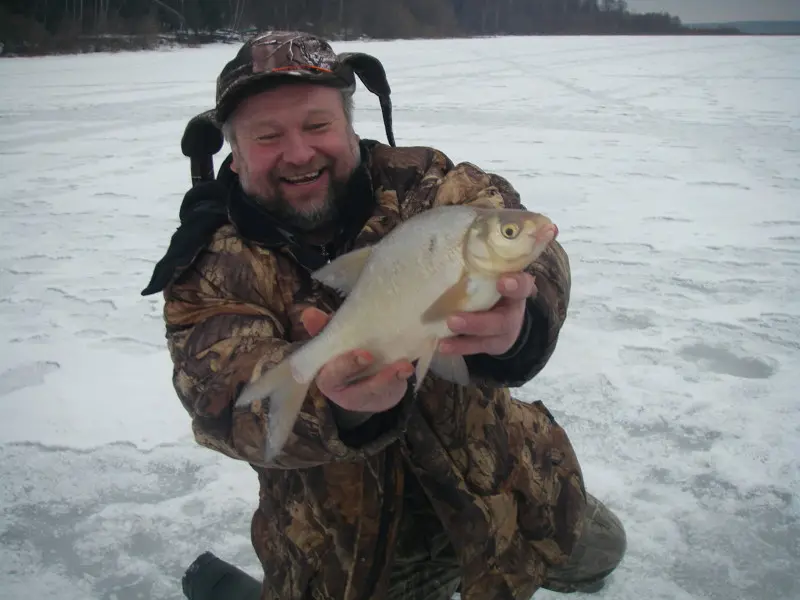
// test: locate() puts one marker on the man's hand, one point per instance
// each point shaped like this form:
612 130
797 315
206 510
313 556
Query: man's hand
376 393
493 331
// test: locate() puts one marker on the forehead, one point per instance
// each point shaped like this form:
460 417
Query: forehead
290 100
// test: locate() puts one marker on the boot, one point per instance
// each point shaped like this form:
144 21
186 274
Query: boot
597 553
211 578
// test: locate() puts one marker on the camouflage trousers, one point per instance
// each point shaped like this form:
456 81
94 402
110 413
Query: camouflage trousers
426 566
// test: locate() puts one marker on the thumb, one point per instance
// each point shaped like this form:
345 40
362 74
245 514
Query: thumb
314 320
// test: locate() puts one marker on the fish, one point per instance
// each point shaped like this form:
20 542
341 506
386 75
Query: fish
398 295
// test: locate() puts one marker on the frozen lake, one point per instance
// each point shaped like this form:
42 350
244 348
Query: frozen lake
672 168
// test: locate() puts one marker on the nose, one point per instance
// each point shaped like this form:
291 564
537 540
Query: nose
296 149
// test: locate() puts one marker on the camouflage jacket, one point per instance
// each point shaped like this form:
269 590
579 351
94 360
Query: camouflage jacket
501 474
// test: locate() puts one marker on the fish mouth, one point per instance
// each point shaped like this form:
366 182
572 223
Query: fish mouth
546 234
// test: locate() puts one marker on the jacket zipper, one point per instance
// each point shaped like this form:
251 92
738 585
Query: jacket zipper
325 253
329 251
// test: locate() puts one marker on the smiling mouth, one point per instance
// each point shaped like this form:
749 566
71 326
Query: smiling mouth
303 179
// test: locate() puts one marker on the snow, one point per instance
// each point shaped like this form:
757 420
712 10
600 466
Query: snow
672 168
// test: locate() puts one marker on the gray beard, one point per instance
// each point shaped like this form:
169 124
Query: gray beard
302 220
309 220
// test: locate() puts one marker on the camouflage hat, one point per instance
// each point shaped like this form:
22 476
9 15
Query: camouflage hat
272 58
275 57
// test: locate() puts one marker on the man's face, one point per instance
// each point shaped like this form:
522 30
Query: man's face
294 150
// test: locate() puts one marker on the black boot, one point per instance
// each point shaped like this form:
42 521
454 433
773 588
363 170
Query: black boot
211 578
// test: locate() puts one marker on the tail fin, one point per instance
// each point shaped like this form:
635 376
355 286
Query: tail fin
285 400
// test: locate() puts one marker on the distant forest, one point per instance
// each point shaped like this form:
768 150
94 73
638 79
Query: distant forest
47 26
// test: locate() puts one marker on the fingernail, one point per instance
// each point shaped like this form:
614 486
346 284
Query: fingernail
362 360
445 347
511 285
404 374
456 323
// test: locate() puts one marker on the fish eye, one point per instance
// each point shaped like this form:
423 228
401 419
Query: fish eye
510 231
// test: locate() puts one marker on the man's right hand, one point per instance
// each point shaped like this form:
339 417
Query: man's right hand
373 394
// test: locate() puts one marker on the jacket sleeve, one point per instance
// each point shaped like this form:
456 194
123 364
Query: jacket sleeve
227 322
545 314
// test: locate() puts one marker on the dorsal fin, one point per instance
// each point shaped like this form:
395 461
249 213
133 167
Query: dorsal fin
344 271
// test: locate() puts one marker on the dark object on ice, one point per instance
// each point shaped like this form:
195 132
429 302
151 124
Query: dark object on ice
211 578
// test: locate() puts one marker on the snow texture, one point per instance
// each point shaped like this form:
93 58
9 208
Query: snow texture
672 168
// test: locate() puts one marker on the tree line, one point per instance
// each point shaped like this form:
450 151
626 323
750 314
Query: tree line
41 26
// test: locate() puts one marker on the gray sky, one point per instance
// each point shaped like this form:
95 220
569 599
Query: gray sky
721 10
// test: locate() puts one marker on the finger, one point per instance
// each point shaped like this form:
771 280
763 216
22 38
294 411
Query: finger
468 344
378 392
335 374
314 320
505 318
387 376
517 286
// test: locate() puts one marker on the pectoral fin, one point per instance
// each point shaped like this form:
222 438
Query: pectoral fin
451 367
344 271
450 302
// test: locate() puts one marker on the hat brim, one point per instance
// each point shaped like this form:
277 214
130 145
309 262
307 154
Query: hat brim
262 82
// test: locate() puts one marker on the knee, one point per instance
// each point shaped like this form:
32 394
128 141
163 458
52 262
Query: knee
597 553
604 530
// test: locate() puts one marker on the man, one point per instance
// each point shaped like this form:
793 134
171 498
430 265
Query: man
378 493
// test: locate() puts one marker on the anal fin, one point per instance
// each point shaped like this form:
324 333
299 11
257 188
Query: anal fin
451 367
425 360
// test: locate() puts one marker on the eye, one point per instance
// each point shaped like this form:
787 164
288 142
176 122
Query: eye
318 126
510 231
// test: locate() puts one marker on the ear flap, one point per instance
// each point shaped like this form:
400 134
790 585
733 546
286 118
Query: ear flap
369 70
201 140
372 74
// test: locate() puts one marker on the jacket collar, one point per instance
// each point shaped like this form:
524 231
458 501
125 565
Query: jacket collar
210 205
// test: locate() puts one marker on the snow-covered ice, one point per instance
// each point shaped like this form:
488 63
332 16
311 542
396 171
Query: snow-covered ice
672 167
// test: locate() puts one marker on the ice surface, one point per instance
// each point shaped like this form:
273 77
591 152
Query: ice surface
672 167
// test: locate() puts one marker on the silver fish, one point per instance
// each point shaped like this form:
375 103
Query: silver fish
399 295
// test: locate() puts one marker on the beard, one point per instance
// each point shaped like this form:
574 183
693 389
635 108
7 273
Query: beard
317 216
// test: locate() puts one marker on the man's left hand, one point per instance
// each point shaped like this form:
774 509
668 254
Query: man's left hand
493 331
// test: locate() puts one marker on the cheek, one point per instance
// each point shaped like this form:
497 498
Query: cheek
258 166
341 146
509 250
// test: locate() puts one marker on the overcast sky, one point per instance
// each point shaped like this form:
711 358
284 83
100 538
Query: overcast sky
721 10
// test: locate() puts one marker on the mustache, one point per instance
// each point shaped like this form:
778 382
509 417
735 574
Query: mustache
295 171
